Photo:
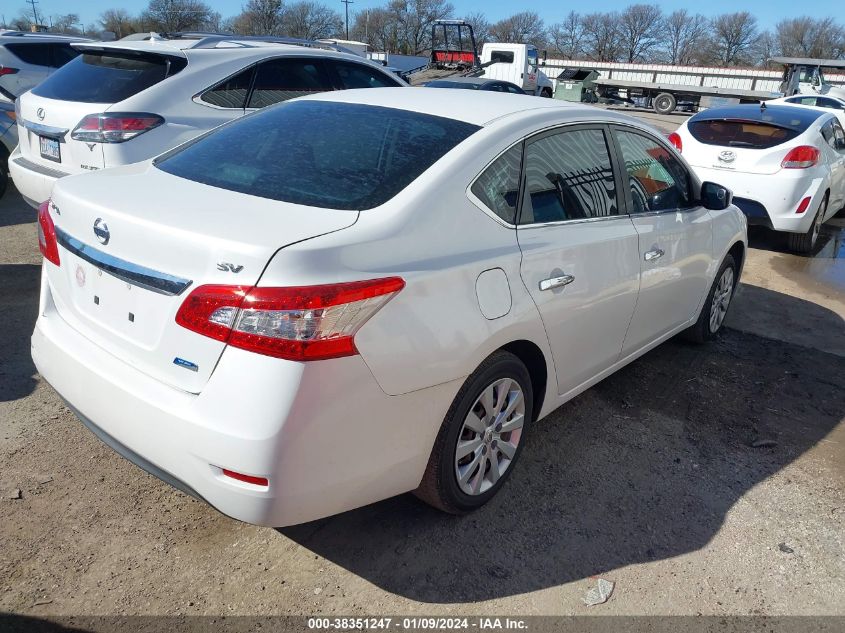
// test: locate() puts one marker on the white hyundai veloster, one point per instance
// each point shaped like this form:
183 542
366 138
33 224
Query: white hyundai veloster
359 294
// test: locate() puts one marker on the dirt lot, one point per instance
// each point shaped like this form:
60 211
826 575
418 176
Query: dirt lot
698 479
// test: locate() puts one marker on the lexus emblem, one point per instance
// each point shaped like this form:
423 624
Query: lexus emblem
727 156
101 230
40 114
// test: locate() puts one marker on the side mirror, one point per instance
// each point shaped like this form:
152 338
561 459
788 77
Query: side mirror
715 197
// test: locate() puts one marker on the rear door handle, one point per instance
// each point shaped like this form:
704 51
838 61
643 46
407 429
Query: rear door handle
556 282
656 253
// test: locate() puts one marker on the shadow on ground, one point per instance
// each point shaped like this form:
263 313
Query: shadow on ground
642 467
13 210
19 285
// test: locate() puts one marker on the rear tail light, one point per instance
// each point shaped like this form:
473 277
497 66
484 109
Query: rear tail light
114 127
801 157
47 243
676 141
5 70
802 206
298 323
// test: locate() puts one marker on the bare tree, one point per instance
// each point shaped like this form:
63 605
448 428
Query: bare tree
810 37
176 15
310 20
601 36
734 34
685 36
377 28
260 17
639 30
414 19
65 24
480 27
565 37
118 21
521 28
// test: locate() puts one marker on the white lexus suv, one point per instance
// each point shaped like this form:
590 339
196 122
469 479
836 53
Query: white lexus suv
126 101
389 308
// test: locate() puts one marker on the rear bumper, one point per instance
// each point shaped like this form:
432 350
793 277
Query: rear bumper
33 181
771 199
323 433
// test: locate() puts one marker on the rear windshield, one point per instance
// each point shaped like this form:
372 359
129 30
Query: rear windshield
751 134
319 153
96 77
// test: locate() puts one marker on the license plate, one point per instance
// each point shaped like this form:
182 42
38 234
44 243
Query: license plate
50 149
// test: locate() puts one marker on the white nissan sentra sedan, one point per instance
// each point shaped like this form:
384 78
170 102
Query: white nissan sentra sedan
350 296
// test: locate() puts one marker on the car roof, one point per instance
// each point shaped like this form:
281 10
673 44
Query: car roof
786 116
191 46
469 106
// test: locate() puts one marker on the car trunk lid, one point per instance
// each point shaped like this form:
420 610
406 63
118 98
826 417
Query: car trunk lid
129 261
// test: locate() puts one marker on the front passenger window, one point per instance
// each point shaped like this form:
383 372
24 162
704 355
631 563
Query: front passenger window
658 181
361 76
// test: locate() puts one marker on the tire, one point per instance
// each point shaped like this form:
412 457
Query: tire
664 103
440 486
804 242
708 326
545 92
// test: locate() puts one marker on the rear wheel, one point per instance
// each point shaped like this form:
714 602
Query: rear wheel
715 308
481 436
804 242
664 103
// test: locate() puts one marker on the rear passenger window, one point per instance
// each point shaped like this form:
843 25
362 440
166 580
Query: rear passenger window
498 186
62 54
657 179
282 79
360 76
568 176
230 93
31 53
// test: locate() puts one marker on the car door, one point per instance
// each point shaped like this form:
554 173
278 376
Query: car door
580 252
675 237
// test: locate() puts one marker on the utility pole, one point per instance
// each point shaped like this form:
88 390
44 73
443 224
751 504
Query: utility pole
347 3
32 3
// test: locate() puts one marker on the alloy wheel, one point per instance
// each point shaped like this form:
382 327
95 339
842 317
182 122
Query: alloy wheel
489 436
721 299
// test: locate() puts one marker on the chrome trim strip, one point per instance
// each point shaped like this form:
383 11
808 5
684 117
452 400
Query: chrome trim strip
48 131
140 276
40 169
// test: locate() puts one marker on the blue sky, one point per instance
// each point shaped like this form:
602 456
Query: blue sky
768 12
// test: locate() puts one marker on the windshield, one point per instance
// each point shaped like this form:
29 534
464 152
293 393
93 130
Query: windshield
107 77
319 153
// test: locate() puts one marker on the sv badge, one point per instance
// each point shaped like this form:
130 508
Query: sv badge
226 267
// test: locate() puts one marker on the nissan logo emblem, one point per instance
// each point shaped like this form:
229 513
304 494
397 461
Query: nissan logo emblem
40 114
101 230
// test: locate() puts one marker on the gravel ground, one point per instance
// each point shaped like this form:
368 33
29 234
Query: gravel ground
701 480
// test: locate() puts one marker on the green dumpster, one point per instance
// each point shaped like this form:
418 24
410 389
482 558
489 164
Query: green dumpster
576 84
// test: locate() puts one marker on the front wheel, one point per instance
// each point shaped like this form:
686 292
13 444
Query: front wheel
481 437
546 92
715 308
